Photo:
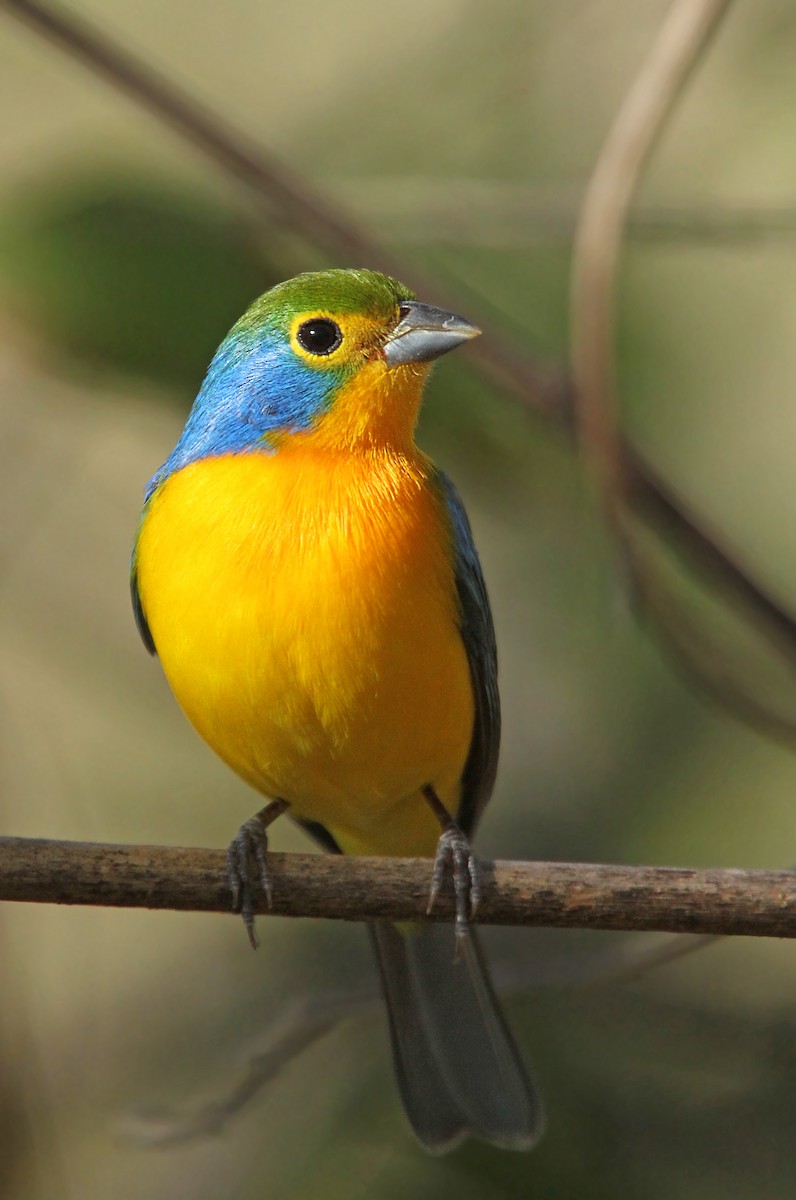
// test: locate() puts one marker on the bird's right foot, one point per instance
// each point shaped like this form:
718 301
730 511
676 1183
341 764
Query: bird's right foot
454 859
247 863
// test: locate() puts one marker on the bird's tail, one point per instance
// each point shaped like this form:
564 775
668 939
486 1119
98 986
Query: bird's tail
458 1068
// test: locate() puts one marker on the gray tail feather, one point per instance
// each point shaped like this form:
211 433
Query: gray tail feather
458 1068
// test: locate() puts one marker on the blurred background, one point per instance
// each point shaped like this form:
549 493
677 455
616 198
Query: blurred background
462 135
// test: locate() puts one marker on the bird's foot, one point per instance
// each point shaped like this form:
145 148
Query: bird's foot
247 862
455 858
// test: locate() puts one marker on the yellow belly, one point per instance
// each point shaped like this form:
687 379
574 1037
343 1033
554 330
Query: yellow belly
303 607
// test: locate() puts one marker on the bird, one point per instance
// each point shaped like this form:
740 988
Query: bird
309 582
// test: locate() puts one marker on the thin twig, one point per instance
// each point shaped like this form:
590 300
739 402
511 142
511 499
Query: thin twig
498 215
651 499
304 1020
627 962
625 484
298 208
563 895
626 150
301 1023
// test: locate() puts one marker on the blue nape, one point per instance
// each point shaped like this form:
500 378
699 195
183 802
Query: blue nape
255 385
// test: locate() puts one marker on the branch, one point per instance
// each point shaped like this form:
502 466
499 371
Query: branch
562 895
295 1028
626 486
598 240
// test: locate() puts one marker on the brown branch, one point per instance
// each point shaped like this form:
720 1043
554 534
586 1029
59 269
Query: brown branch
563 895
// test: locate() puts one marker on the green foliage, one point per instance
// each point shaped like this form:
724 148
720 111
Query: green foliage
124 275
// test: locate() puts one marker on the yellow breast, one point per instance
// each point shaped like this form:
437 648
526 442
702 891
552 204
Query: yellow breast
303 607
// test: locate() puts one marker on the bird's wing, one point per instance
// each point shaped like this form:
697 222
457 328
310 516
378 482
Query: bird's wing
138 608
478 634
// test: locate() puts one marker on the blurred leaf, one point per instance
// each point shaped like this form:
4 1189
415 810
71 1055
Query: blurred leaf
129 275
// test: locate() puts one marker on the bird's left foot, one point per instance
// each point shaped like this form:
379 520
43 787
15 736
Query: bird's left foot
247 861
454 858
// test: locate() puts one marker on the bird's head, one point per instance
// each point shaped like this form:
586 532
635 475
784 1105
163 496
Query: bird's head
337 357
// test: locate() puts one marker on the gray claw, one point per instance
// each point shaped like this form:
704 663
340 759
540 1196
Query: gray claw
248 849
455 857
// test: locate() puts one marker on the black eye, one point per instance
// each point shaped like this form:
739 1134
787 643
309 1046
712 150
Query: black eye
319 336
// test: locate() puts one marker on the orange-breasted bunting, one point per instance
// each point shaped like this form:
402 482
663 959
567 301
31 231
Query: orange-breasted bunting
309 581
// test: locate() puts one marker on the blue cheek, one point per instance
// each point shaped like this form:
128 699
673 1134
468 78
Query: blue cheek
250 390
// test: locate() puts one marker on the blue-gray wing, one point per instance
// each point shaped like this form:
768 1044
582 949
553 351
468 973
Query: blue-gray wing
478 634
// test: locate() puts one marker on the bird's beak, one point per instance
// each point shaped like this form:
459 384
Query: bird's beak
424 333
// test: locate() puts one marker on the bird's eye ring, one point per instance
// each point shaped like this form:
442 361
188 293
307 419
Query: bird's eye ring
319 336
